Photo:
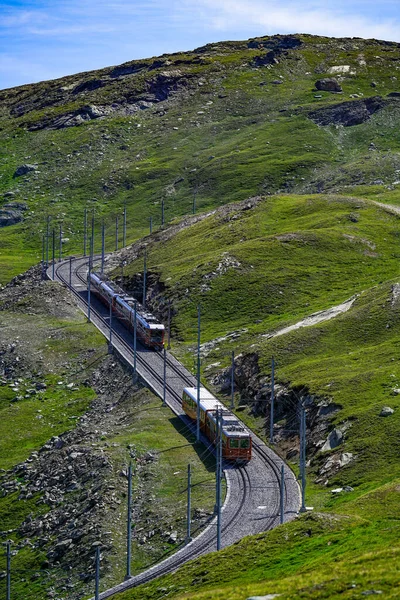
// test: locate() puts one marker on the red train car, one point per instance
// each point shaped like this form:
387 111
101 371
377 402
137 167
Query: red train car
149 331
236 441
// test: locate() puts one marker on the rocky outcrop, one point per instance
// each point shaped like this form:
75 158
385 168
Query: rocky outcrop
72 119
334 439
276 42
12 213
165 84
277 47
348 113
254 389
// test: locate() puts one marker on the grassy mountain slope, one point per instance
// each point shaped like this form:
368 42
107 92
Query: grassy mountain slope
257 270
70 422
221 123
254 271
202 130
317 556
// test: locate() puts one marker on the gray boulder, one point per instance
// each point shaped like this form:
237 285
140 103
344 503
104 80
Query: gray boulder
24 169
386 411
9 216
267 597
334 439
329 84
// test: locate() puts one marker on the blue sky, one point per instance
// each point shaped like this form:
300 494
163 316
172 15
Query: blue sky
45 39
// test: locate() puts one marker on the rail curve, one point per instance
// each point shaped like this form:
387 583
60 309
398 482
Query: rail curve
253 491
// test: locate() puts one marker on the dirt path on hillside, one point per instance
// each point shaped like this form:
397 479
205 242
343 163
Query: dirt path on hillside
315 318
390 207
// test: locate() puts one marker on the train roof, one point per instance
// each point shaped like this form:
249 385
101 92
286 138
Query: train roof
146 318
230 423
207 400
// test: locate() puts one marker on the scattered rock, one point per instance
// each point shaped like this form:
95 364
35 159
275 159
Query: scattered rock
173 536
10 216
386 411
339 69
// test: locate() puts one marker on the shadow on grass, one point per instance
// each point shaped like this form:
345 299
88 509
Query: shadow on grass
204 449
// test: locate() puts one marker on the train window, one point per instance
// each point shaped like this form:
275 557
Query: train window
245 443
157 336
233 443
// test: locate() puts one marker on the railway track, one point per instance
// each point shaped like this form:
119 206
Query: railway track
253 491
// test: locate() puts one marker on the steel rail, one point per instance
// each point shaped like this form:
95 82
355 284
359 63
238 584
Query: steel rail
240 476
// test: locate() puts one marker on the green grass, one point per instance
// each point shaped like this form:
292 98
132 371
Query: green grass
319 555
64 349
155 429
297 254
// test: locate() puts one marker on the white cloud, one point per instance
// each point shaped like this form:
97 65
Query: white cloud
324 18
49 38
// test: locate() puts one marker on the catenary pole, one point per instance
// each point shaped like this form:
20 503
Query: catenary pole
233 381
165 379
144 278
217 481
70 271
219 514
97 578
116 232
271 423
60 243
102 246
8 572
169 325
129 525
110 345
303 477
302 457
162 211
282 495
189 510
151 225
47 241
134 341
43 254
124 233
92 239
84 232
198 374
54 252
88 280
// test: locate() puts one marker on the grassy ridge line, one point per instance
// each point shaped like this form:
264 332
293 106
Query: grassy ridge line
292 256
